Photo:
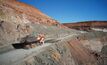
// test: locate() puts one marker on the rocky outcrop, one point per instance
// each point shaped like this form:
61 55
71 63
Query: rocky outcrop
17 20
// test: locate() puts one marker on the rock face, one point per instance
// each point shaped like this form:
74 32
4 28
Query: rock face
87 25
16 21
62 46
70 50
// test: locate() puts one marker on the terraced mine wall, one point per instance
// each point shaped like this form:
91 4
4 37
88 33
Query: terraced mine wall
84 49
46 53
87 25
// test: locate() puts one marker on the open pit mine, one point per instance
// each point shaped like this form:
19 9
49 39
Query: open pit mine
20 24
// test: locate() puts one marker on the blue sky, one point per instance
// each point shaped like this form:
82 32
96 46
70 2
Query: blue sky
72 10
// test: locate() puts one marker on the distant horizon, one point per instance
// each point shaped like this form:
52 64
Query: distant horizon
87 21
71 11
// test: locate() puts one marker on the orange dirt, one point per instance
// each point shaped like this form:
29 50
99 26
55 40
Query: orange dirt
81 54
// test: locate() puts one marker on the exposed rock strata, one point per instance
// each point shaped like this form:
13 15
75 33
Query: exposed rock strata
88 25
62 46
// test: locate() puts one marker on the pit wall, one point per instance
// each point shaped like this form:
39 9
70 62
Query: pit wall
55 54
93 41
71 51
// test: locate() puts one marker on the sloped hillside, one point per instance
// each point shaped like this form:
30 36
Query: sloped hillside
15 9
16 21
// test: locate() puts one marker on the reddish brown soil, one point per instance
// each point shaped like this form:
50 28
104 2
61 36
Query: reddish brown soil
81 54
32 13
